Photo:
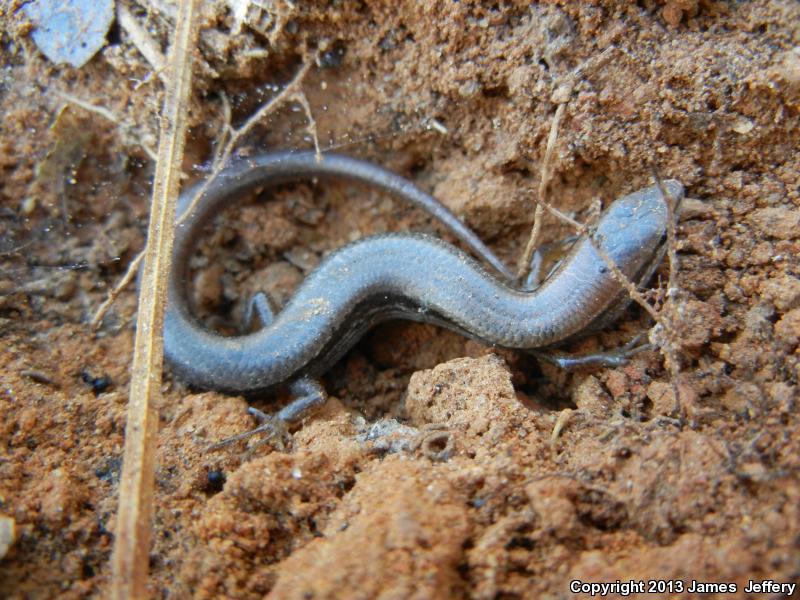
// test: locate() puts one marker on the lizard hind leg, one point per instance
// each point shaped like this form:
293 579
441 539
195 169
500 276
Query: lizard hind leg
611 358
259 312
308 395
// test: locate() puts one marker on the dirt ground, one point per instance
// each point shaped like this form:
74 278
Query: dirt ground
440 468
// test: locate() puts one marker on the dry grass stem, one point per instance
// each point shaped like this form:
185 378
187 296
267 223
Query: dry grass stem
669 344
131 553
140 38
544 180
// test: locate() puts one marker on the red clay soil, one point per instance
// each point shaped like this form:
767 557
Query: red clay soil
440 468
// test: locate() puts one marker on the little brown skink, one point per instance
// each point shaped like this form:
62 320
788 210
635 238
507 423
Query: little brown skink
400 275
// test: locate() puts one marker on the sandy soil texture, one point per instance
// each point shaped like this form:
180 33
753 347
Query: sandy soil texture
440 468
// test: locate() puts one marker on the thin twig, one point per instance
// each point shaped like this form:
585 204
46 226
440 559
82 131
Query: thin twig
139 37
671 233
16 249
134 517
311 128
561 95
669 343
577 225
109 116
225 131
220 160
544 180
237 134
583 230
133 268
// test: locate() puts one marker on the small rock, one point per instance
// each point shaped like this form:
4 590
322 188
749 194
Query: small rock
469 88
742 397
694 208
787 67
742 125
776 222
302 258
28 205
70 31
7 534
388 436
784 292
592 398
787 329
65 289
208 286
617 383
26 419
674 10
280 279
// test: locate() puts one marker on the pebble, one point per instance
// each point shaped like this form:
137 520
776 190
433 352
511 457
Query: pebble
70 31
469 88
280 278
208 286
693 208
784 291
776 222
7 534
787 67
592 398
65 289
787 329
616 383
302 258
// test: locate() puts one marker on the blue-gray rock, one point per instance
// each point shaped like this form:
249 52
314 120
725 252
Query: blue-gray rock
70 31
